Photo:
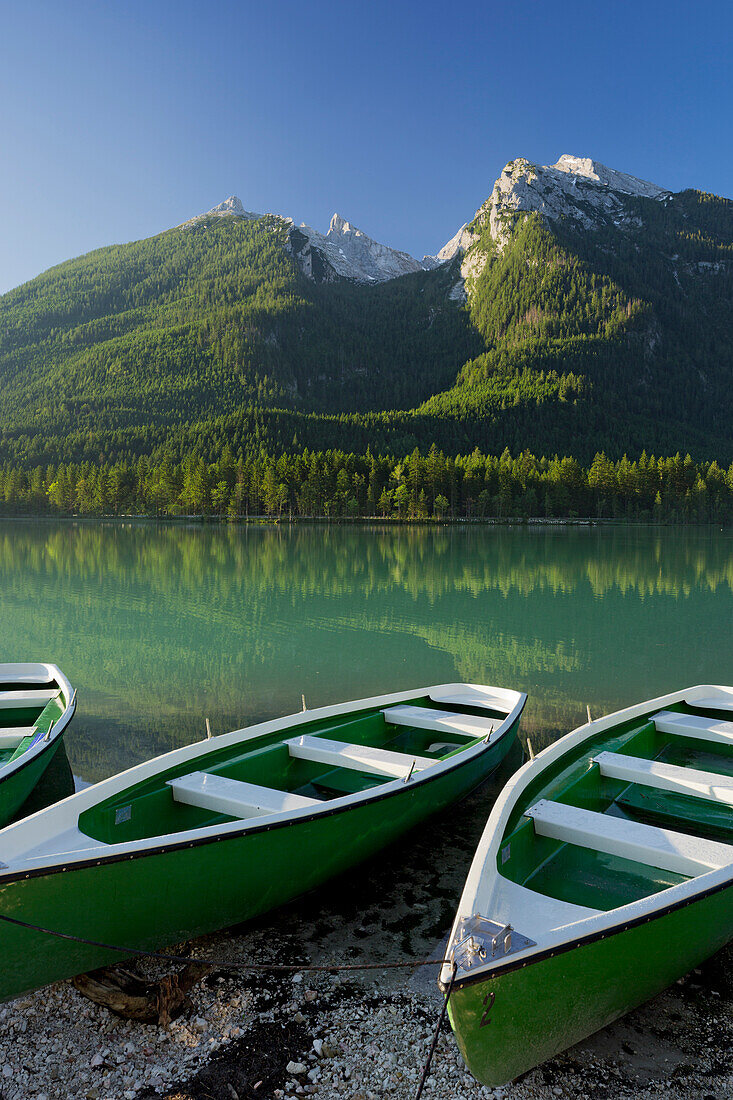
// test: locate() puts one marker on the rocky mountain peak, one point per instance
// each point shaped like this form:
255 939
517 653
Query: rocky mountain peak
340 225
348 253
608 177
231 207
577 189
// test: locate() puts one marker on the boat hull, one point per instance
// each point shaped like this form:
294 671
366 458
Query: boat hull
44 724
165 895
16 788
507 1024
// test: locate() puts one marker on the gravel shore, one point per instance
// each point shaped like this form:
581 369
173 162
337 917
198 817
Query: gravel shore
358 1035
331 1036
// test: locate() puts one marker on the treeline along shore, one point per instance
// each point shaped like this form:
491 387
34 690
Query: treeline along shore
338 485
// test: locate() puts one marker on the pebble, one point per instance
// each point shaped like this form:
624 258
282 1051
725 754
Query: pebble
365 1042
62 1032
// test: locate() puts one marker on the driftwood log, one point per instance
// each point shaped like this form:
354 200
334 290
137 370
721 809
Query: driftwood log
129 995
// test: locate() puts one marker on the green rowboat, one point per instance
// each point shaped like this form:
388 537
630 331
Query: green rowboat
605 872
36 705
220 831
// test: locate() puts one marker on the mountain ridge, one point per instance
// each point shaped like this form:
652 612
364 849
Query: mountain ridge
511 190
563 190
581 308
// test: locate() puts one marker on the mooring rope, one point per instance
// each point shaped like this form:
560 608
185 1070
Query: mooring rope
221 963
262 967
436 1033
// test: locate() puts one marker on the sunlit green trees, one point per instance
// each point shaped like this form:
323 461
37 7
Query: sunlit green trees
338 484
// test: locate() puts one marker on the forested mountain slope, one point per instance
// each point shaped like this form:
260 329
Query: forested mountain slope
615 337
580 310
206 320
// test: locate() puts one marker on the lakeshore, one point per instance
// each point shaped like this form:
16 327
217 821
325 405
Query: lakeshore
351 1036
336 1040
206 519
358 1035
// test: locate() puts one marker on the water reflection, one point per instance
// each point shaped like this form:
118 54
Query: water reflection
160 627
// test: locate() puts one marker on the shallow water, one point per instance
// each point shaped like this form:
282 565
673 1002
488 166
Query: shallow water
160 627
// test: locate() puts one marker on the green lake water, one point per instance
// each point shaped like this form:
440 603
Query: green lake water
161 627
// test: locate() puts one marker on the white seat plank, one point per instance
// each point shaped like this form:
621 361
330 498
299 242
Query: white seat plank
671 851
233 797
442 721
693 725
360 758
11 736
35 697
667 777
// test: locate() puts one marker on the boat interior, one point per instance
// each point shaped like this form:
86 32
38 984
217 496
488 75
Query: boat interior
28 709
291 769
627 813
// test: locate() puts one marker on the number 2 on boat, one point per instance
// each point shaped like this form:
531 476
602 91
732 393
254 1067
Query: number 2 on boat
490 998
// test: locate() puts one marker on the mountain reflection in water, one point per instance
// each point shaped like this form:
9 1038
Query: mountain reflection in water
160 627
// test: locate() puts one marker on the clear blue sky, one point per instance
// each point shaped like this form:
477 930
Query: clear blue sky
122 119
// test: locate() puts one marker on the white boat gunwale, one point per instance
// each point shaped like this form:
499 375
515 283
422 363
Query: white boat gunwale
35 749
26 865
603 923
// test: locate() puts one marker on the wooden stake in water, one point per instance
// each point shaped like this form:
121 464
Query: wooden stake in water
587 711
209 734
302 699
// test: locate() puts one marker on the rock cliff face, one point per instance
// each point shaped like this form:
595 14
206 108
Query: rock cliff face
346 252
608 177
578 189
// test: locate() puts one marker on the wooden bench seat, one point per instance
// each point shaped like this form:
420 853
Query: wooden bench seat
33 697
235 798
692 725
441 721
667 777
663 848
362 758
